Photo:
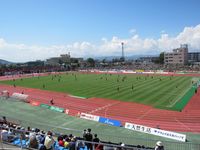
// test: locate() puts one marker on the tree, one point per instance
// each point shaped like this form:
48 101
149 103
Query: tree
60 61
114 60
104 60
91 62
122 59
161 58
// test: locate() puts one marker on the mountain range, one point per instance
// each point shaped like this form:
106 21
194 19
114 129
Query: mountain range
5 62
133 57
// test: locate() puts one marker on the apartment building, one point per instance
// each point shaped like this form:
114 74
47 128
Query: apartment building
177 56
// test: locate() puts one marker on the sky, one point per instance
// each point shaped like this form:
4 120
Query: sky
39 29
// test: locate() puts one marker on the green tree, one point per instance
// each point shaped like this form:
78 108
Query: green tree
122 59
104 60
91 62
60 62
161 58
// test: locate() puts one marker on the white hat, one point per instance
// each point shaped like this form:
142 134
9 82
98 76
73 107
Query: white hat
4 131
159 143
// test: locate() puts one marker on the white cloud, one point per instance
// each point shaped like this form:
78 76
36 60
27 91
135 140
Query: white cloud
132 31
133 45
2 43
163 31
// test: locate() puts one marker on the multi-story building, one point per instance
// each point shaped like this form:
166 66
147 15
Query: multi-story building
148 59
194 58
178 56
64 58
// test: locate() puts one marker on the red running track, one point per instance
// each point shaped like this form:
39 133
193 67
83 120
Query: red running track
186 121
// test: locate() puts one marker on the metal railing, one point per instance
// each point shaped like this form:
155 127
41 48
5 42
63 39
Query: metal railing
105 145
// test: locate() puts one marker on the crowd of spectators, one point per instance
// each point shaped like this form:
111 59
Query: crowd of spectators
35 138
151 67
28 70
38 139
10 70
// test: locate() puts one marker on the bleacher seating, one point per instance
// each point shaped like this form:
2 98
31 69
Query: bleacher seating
18 136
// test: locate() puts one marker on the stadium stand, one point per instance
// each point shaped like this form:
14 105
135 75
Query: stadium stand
34 138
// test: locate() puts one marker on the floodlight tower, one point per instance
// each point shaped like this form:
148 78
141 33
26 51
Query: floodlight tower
123 58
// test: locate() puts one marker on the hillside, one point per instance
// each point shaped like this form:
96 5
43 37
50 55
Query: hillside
4 62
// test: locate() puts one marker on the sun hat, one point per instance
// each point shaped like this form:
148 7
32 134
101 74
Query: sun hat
159 143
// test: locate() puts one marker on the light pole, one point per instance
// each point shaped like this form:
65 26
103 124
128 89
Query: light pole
122 43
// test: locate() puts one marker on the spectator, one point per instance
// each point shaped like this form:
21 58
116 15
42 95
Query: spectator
28 128
70 136
84 134
122 145
60 137
66 143
33 143
159 146
4 121
72 144
42 147
61 143
99 147
60 140
40 137
4 135
49 141
96 139
89 138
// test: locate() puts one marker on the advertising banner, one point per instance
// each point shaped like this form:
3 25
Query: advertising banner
34 103
57 109
89 117
19 96
157 132
67 111
110 121
44 106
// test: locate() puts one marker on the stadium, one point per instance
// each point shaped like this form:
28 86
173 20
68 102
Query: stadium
99 75
108 102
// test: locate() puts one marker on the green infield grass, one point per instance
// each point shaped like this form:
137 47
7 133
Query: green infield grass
165 92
